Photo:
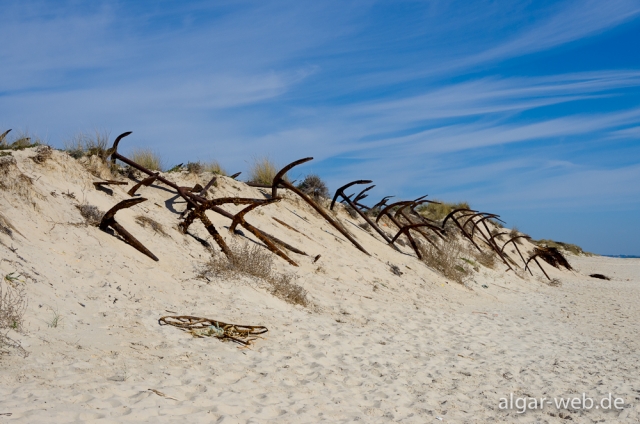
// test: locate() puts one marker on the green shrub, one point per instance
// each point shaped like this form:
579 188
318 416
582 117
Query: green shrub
313 186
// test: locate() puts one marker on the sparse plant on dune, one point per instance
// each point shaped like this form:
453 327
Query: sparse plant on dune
43 153
572 248
253 261
312 185
91 214
21 141
214 167
447 259
194 167
55 320
85 144
145 222
437 211
13 304
262 171
147 158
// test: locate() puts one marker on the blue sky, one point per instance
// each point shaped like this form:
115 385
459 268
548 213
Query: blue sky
526 109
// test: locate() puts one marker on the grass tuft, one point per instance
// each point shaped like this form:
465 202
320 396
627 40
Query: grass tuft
214 167
21 142
255 261
83 144
447 259
13 304
147 158
262 171
195 167
91 214
437 212
145 222
55 320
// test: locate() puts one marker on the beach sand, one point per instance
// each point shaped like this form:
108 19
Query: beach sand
371 347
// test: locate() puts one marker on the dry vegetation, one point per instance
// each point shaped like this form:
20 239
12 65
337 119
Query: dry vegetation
147 222
199 167
453 258
254 261
446 259
42 154
13 304
214 167
572 248
147 158
262 171
313 186
14 181
91 214
21 141
82 145
437 212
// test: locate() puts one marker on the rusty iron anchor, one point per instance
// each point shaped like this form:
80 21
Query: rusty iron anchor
108 220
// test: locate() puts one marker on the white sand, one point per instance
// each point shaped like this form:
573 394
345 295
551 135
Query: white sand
373 347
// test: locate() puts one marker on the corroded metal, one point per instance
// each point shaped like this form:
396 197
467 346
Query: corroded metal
210 184
382 202
109 182
451 215
512 240
279 181
362 194
199 212
145 182
279 178
347 199
340 191
239 217
3 136
108 220
484 218
533 257
193 199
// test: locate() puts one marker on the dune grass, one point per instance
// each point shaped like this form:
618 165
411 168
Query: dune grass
214 167
437 212
254 261
21 141
572 248
262 171
147 158
88 144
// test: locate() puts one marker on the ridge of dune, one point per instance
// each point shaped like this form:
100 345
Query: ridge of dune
371 346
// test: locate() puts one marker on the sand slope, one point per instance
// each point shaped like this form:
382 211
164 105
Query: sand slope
372 347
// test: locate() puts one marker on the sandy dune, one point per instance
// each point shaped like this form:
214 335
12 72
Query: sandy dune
372 346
